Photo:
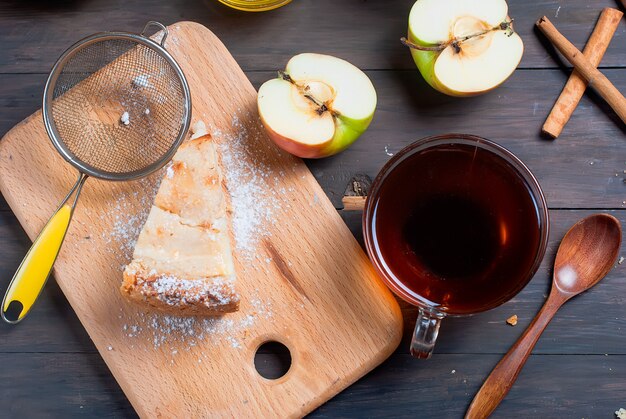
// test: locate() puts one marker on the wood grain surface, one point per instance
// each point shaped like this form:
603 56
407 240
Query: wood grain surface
50 365
318 293
365 32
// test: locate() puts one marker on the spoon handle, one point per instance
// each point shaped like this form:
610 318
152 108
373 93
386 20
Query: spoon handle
505 373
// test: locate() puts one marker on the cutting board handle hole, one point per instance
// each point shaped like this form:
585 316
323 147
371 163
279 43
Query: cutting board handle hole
272 360
13 311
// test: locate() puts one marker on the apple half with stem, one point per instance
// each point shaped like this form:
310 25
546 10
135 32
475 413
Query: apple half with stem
318 106
463 47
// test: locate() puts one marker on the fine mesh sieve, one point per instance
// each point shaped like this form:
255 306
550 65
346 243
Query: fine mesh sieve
116 106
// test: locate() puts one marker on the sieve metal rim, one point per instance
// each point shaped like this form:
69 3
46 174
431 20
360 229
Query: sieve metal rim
51 128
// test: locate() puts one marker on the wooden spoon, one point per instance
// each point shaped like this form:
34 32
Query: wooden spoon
586 254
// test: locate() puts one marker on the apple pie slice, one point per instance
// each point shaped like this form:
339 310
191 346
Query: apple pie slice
182 263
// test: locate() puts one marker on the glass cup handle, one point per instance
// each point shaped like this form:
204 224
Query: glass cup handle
425 334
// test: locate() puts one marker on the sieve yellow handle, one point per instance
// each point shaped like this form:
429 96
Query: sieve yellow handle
31 276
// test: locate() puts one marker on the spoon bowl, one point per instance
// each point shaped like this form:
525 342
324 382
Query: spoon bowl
586 254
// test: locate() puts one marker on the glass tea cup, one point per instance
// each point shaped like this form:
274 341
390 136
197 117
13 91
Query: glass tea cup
454 224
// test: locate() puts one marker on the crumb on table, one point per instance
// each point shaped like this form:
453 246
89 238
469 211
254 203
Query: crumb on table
512 320
621 413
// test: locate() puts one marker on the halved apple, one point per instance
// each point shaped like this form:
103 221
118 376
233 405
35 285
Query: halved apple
318 106
463 47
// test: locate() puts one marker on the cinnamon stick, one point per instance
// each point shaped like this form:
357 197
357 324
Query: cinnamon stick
576 85
356 192
594 78
353 203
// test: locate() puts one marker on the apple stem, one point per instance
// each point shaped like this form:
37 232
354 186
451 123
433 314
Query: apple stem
285 77
457 41
412 45
321 106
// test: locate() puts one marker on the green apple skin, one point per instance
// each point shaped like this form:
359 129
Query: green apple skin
347 131
425 62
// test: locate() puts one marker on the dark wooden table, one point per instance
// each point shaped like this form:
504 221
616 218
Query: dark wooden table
50 368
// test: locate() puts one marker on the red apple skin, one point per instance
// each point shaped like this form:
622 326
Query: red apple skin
305 151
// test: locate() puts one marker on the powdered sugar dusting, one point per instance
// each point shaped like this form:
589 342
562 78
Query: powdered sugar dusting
125 118
127 221
183 333
141 80
248 178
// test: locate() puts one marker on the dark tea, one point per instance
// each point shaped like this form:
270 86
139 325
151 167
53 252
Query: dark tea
456 227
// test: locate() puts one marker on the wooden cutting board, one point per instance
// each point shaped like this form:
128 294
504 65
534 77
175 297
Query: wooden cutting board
303 278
